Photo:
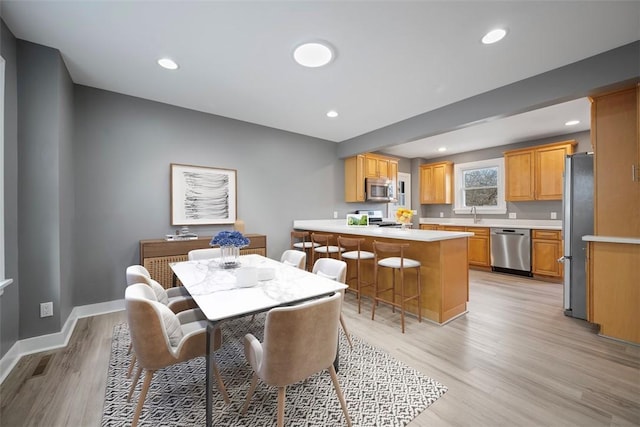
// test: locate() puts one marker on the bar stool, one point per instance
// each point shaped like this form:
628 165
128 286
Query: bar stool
356 254
397 262
301 240
323 246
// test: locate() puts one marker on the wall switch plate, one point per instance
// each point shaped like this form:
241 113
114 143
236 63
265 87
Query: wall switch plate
554 215
441 214
335 214
512 215
46 309
414 212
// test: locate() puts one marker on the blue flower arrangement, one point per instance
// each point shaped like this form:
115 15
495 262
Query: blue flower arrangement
230 238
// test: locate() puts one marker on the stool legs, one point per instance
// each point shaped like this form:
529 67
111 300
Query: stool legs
403 297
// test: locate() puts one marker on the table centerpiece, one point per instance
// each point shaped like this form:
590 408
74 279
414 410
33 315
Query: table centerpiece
230 243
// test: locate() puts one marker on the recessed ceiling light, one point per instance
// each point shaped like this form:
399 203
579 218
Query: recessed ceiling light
167 63
313 55
442 149
332 113
494 36
572 122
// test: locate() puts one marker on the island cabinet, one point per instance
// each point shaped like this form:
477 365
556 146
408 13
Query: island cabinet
536 173
444 275
546 249
436 183
156 254
362 166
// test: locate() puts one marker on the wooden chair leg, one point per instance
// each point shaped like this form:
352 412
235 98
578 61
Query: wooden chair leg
221 386
252 388
336 386
134 383
143 395
346 332
281 397
133 363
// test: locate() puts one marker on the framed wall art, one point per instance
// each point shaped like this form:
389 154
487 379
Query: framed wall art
202 195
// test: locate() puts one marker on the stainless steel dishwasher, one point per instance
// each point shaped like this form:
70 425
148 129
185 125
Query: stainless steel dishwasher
511 250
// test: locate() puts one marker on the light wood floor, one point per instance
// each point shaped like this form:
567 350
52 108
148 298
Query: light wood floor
513 360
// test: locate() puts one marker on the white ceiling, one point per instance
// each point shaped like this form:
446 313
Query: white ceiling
395 59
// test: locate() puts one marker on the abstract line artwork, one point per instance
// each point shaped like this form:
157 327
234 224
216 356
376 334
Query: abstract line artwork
202 195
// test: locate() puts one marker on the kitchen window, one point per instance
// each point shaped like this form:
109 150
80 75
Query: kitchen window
480 185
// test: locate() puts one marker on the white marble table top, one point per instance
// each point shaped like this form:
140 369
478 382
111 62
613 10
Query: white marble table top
218 296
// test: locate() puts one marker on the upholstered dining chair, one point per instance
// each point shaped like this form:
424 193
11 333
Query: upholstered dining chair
299 341
208 253
176 298
162 338
333 269
294 258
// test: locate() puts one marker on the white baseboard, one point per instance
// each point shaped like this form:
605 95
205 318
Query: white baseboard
55 340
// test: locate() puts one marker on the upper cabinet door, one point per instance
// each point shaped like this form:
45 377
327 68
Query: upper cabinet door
436 183
550 170
519 173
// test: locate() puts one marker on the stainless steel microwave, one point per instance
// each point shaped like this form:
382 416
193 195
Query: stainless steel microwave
380 190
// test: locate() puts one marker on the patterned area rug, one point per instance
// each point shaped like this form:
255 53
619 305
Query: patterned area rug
379 390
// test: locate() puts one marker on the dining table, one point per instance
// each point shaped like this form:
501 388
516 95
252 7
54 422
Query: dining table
256 284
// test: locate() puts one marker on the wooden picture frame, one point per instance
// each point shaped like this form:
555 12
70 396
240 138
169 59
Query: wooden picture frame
202 195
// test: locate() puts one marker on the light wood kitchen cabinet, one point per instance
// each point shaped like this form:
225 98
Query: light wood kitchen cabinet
615 136
362 166
546 248
436 183
536 173
479 247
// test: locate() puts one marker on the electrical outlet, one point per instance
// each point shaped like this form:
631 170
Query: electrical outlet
512 215
553 215
441 214
335 214
46 309
414 212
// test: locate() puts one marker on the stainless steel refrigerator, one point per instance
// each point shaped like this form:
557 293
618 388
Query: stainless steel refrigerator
577 221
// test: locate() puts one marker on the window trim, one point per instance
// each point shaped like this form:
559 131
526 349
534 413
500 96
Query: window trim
458 170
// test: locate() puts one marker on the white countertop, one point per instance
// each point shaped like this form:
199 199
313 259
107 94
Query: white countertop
611 239
339 226
538 224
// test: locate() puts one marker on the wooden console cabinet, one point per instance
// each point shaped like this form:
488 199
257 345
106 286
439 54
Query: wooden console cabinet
156 254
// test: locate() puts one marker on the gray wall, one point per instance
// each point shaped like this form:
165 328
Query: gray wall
45 184
524 210
10 300
123 150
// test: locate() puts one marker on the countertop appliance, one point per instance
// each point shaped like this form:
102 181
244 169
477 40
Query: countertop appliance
577 221
375 218
511 250
379 190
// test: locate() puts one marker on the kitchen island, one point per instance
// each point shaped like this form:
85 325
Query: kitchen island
444 273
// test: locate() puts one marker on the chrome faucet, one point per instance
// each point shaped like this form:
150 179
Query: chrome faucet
474 211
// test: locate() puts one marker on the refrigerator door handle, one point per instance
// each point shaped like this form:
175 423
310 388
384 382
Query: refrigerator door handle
564 258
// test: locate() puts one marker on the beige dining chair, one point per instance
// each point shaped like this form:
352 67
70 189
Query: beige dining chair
333 269
162 338
299 341
294 258
208 253
176 298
